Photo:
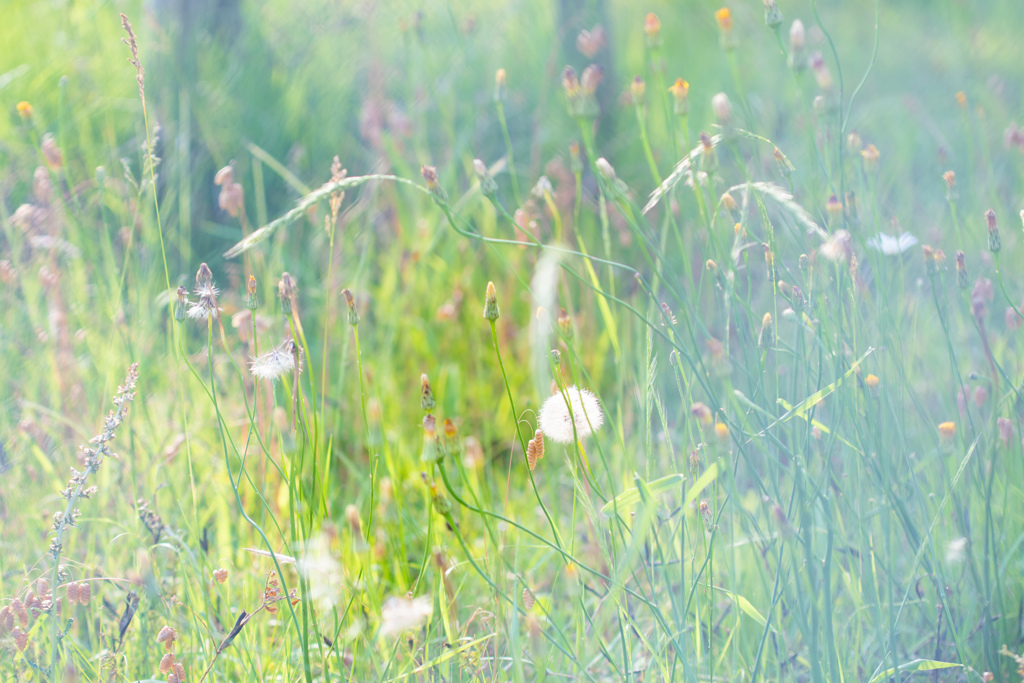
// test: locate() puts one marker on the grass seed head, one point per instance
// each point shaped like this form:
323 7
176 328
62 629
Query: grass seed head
535 449
167 635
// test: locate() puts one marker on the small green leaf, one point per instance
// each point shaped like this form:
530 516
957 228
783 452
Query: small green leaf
702 483
625 501
916 665
745 606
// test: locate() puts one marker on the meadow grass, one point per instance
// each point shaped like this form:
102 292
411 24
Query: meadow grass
434 360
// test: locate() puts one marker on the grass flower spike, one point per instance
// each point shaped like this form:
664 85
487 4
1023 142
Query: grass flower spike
557 415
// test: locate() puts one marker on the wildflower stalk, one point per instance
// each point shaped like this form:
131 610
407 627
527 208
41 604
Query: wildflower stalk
519 434
94 456
645 142
366 424
212 393
500 106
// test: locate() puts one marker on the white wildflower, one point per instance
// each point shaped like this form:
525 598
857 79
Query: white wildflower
401 614
955 550
891 246
557 417
277 361
206 307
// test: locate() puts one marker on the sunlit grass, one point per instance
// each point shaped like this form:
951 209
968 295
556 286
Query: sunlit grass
352 454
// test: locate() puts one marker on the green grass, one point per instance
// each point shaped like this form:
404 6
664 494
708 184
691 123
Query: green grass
771 495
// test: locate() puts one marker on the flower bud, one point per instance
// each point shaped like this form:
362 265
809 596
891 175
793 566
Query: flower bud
722 108
565 324
951 193
870 154
204 276
680 94
181 304
429 174
491 303
725 35
797 42
487 184
286 290
353 312
431 453
499 85
834 209
251 300
652 30
637 90
772 14
427 402
575 162
994 243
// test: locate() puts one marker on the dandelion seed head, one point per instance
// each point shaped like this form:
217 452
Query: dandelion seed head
206 307
401 614
556 417
955 550
276 362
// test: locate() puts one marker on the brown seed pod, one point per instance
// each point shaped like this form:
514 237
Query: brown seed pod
18 608
167 636
20 638
167 662
528 598
72 592
84 593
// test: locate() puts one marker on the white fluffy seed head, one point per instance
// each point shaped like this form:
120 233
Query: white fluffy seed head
206 307
276 362
557 416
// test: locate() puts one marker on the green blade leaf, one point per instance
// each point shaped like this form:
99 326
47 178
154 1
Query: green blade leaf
631 496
